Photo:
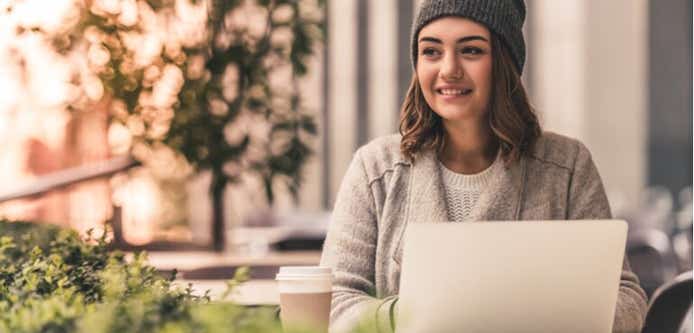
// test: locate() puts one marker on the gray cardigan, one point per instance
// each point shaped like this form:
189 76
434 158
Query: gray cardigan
382 192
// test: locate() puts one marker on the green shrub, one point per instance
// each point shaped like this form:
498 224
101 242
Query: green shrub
53 281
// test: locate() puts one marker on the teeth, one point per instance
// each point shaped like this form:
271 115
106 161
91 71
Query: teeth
453 91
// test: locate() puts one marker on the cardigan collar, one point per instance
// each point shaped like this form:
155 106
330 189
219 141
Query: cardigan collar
501 201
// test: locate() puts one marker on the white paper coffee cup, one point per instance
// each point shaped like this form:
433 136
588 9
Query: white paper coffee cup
305 296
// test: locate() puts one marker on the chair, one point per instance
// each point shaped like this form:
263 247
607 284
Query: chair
670 305
682 233
651 257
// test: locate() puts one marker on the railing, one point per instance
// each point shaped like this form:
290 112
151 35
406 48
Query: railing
63 178
71 176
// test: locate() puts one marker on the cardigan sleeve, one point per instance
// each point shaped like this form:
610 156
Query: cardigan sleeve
587 200
350 249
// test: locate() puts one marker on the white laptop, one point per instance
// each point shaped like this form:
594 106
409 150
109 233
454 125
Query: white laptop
529 276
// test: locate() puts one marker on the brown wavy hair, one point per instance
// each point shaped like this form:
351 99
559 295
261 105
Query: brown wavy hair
513 121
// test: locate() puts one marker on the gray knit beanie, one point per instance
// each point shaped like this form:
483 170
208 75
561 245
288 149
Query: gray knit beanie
504 17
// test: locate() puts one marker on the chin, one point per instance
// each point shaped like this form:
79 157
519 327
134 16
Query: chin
458 113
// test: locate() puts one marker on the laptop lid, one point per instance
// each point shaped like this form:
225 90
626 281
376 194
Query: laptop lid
530 276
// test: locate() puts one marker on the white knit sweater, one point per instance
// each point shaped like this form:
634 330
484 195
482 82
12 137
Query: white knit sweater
463 190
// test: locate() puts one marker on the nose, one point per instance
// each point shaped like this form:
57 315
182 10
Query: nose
451 69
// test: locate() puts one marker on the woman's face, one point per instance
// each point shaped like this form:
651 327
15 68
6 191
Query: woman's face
454 68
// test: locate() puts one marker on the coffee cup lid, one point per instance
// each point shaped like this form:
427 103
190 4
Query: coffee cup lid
291 272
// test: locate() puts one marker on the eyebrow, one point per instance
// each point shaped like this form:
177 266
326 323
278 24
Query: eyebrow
461 40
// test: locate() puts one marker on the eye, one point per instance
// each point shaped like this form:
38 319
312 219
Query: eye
472 50
430 52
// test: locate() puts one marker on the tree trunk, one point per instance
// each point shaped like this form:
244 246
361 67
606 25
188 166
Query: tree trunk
218 188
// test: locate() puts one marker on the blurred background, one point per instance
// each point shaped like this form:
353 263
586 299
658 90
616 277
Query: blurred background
228 125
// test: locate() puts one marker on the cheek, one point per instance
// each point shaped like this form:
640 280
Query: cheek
482 76
426 77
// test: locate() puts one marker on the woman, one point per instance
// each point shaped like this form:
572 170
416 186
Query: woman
470 149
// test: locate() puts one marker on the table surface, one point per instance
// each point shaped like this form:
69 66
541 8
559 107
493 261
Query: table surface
253 292
190 260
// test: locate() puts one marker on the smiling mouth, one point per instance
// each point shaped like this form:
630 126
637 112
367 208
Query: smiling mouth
453 92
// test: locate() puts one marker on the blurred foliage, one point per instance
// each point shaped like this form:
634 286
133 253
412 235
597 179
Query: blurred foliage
26 234
250 57
216 81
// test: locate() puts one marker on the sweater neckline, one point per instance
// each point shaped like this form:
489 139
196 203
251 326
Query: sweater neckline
471 181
